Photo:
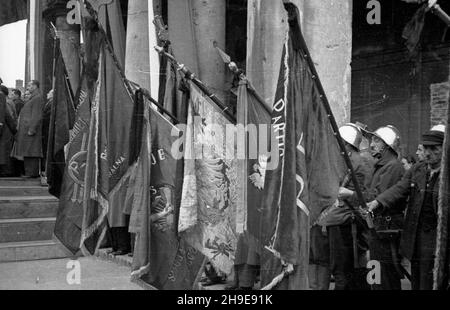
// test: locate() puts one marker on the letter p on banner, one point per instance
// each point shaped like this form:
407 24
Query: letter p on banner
374 275
74 275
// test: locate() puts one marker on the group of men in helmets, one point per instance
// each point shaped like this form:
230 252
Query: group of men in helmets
402 204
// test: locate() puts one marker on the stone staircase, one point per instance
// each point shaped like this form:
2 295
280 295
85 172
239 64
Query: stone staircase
27 221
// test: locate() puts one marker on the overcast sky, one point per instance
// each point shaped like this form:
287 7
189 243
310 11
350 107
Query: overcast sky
13 52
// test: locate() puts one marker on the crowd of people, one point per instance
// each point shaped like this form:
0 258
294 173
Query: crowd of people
402 197
401 193
23 134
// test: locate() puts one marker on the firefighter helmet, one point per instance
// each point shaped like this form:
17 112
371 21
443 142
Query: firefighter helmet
352 135
390 135
440 128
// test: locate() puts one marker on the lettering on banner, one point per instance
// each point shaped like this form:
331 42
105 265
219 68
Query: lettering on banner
279 126
177 263
158 156
119 162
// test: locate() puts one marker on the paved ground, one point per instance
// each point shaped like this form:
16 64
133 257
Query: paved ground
96 274
52 275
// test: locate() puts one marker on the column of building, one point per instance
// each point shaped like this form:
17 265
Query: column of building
69 36
327 28
194 26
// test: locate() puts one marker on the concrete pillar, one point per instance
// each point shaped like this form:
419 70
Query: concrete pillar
194 26
266 26
137 64
181 32
327 28
69 36
34 31
328 33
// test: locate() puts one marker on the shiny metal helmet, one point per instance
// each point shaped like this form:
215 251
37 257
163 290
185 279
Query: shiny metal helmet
390 135
352 135
440 128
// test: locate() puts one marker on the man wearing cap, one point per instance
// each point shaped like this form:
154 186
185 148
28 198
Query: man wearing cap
421 185
388 171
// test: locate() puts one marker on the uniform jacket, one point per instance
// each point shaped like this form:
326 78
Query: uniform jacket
320 243
7 130
30 120
388 171
333 216
412 185
364 172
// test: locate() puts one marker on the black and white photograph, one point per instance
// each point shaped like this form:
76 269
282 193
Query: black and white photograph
224 150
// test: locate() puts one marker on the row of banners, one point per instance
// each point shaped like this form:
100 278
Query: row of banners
185 209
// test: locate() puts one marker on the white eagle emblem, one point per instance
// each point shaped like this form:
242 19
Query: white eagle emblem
258 178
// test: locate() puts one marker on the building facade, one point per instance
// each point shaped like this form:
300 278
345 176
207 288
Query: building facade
251 31
392 86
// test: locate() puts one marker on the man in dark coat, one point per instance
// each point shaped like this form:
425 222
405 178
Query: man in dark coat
336 234
29 138
8 127
421 185
387 173
17 105
7 169
347 244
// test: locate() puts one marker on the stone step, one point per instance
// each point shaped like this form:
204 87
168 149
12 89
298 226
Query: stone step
18 199
19 182
12 191
27 209
35 250
105 254
22 230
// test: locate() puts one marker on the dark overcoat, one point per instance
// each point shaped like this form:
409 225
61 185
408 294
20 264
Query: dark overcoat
412 185
320 242
7 130
387 173
30 121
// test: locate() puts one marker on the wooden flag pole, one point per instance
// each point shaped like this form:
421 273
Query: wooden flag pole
241 73
131 86
295 23
90 9
147 95
438 11
191 76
